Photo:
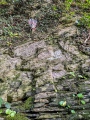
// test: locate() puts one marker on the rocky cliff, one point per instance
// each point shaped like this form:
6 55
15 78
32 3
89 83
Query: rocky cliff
49 67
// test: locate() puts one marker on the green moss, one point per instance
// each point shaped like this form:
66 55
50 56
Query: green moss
28 104
16 117
3 2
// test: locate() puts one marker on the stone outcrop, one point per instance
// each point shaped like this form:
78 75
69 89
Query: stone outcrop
38 77
40 69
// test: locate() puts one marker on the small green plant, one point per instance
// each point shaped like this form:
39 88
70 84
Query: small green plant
1 111
63 103
3 2
83 102
18 116
7 105
3 103
68 4
72 73
73 111
8 32
11 113
80 97
88 1
85 5
85 20
54 7
80 76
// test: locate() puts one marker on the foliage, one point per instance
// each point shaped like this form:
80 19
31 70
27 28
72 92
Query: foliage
72 73
16 117
68 4
48 17
28 104
76 75
62 103
8 111
85 5
80 95
66 106
83 102
6 104
3 2
73 111
9 31
11 113
85 20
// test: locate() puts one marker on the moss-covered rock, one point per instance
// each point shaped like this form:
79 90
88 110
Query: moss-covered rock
16 117
3 2
28 104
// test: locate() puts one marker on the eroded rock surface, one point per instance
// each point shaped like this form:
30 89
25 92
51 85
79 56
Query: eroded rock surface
42 71
37 77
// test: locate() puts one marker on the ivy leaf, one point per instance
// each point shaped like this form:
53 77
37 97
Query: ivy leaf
73 111
72 73
7 105
8 111
80 95
12 114
80 76
83 102
68 106
62 103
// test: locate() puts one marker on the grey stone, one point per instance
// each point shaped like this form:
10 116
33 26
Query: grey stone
1 118
15 84
41 95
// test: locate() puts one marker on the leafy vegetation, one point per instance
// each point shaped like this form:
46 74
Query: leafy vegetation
3 2
85 20
64 104
14 29
85 16
16 117
11 113
8 111
6 104
73 111
14 26
28 104
80 97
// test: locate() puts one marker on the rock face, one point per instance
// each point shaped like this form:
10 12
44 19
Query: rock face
48 69
38 77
